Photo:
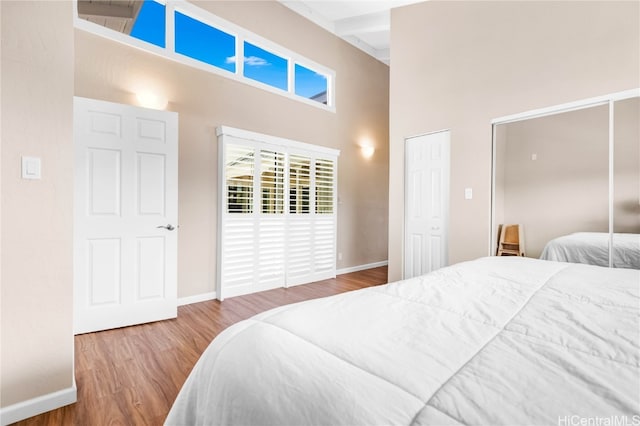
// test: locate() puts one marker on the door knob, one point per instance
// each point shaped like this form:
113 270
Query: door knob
168 227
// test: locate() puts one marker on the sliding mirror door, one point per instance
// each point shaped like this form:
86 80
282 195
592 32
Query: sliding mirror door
626 184
571 180
551 178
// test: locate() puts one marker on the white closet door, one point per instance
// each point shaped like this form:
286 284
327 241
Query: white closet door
126 211
427 203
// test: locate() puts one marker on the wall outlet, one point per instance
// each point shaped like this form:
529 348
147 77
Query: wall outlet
339 256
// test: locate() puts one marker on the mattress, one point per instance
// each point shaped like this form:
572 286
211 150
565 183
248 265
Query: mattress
499 341
592 248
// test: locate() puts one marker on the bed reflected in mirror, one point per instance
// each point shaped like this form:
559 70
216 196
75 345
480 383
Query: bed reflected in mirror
553 176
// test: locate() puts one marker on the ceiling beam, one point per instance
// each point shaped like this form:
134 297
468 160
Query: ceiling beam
372 22
105 10
301 8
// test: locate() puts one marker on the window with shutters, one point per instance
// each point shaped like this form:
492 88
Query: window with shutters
324 186
239 179
272 181
286 234
299 183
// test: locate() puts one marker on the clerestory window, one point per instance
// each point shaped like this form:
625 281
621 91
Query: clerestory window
193 36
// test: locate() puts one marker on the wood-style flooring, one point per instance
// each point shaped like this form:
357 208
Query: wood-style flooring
131 375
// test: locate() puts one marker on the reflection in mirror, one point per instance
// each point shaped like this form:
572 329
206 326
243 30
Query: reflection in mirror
552 178
626 199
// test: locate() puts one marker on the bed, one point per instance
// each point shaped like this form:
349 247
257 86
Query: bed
592 248
498 340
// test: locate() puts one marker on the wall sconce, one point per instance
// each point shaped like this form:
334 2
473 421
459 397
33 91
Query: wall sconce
367 151
151 100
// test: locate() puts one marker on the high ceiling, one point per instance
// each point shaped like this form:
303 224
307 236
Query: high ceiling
363 23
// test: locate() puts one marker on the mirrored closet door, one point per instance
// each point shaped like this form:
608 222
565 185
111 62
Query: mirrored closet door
570 180
626 183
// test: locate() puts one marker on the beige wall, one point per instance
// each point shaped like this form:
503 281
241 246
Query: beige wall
460 64
111 71
37 114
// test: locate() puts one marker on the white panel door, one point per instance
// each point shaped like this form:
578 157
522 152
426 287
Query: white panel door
126 212
426 203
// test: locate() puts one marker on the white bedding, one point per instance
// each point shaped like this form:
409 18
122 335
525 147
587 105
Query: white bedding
592 248
496 341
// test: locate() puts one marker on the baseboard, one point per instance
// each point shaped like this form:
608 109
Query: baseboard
42 404
212 295
197 298
361 267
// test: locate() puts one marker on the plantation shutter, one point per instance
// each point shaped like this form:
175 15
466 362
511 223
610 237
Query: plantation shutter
277 216
238 255
325 223
271 221
299 241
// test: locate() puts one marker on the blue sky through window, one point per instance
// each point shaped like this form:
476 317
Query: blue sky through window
264 66
204 43
150 24
208 44
309 84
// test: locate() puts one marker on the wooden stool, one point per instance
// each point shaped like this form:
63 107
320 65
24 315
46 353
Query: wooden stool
511 241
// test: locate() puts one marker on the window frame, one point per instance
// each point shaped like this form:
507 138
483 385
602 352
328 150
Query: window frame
241 35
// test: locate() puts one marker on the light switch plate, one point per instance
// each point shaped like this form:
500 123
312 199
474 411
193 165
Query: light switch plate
31 168
468 193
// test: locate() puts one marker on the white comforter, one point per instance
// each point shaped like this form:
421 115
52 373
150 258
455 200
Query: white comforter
592 248
496 341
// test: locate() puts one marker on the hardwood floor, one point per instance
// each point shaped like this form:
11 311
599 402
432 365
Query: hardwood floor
131 375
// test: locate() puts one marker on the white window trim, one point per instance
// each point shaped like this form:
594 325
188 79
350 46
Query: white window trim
275 140
241 34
